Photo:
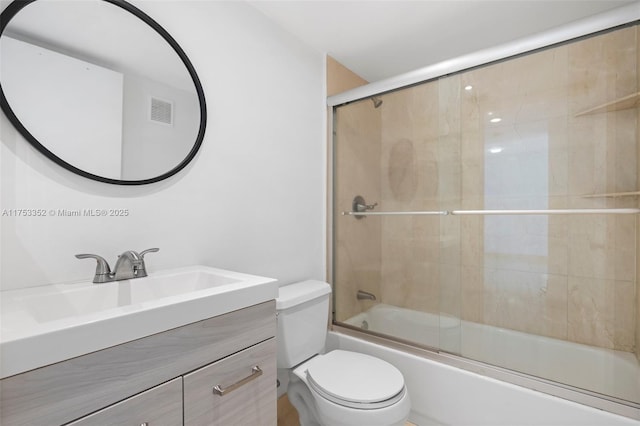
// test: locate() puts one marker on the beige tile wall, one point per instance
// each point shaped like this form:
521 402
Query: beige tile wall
341 78
576 287
357 247
357 151
410 178
589 271
602 157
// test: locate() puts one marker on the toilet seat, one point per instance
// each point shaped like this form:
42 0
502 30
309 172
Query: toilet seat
355 380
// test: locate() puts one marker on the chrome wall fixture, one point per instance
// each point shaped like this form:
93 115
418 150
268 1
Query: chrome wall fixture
359 205
365 295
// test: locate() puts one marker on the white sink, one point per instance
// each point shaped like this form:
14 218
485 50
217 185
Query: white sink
55 302
48 324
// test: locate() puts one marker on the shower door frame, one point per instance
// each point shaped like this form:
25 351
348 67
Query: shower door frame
619 17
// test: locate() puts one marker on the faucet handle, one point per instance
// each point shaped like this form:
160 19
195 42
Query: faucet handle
142 269
103 271
151 250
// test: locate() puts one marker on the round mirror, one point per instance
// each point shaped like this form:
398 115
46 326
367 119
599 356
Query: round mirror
100 88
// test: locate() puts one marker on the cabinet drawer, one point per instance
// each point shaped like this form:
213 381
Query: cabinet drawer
244 395
158 406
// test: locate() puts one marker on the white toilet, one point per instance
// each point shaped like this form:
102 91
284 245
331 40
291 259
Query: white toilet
339 387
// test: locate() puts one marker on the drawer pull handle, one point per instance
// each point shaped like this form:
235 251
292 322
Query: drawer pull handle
255 373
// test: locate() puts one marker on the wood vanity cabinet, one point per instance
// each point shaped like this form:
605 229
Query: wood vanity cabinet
159 406
219 371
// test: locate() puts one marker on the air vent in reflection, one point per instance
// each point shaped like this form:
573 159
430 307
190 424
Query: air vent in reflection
161 111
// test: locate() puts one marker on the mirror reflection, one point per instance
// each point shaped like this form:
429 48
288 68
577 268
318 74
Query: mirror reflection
100 89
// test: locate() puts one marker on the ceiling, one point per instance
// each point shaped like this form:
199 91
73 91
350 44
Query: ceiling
385 38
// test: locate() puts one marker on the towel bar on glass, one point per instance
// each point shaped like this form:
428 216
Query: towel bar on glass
496 212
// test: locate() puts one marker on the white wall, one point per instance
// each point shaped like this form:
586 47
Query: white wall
36 81
253 199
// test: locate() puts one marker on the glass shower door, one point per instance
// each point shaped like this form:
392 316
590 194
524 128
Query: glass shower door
499 218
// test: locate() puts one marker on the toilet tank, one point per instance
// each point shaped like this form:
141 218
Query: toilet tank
303 314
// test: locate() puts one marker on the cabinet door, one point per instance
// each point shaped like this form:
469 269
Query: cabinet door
237 390
159 406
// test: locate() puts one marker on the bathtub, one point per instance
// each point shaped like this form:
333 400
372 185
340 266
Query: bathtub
604 371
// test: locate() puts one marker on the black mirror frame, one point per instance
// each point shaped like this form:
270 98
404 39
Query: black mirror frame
17 5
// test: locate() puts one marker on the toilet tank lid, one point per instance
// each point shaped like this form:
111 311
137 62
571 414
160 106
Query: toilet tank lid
297 293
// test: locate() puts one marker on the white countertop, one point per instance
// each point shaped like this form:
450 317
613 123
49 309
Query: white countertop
48 324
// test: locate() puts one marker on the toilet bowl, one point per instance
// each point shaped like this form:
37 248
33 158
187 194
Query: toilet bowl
338 387
349 388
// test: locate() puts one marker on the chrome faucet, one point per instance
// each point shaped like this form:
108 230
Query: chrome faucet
129 265
365 295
